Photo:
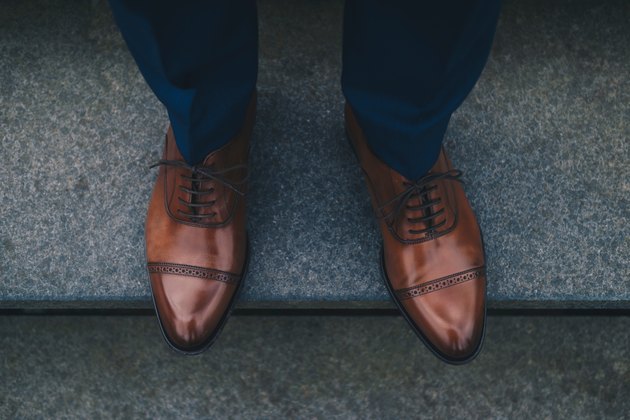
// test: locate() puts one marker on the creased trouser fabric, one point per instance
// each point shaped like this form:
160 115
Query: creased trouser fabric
407 65
201 60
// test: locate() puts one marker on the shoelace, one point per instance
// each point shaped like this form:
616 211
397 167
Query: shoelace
199 175
421 189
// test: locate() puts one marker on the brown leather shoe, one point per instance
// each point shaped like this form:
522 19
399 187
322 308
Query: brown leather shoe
196 240
432 260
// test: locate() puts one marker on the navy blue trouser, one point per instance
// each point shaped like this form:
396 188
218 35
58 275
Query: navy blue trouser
407 66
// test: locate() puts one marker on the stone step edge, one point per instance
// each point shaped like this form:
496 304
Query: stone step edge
109 303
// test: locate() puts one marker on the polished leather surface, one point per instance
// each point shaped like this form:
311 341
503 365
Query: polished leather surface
433 259
196 239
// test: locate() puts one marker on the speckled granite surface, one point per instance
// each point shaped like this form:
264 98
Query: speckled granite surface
543 142
312 368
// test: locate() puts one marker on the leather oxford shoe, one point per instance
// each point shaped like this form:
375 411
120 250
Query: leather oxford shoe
196 240
432 258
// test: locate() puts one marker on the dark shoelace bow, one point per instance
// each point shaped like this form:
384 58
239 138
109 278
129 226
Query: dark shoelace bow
199 175
421 189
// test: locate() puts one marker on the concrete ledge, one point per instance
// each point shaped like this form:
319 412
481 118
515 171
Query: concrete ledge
290 305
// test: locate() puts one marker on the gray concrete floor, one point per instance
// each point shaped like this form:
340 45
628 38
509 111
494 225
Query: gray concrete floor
311 367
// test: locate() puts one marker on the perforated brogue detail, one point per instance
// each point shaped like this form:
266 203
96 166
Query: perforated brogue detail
193 271
441 283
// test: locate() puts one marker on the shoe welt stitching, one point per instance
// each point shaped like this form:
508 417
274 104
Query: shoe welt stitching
441 283
193 271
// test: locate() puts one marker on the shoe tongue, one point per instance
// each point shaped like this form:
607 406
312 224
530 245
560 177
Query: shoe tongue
203 196
412 209
400 223
210 190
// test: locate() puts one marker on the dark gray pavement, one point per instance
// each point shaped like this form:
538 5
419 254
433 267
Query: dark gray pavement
543 143
312 367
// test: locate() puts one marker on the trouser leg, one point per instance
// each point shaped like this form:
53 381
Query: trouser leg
407 65
200 58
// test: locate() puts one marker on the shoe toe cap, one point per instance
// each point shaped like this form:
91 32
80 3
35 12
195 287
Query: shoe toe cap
191 310
451 320
459 339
